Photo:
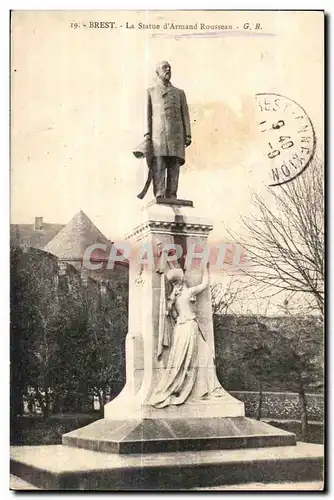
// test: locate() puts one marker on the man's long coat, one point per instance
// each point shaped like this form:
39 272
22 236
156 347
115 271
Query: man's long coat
167 120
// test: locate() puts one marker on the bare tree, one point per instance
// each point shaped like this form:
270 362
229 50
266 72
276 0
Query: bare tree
284 239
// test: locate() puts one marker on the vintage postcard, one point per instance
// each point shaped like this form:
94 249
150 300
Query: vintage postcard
167 250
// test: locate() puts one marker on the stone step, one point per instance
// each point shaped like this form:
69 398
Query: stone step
19 485
168 435
293 486
16 483
58 467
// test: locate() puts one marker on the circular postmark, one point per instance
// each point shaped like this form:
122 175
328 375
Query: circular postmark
287 137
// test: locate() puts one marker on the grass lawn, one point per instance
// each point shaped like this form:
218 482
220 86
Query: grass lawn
34 430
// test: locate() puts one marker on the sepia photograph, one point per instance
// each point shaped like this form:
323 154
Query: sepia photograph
167 255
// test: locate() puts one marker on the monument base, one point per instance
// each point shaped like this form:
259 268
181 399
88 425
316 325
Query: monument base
58 467
168 435
171 201
129 407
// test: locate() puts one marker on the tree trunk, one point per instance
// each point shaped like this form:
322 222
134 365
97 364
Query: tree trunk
46 409
40 399
16 399
303 412
56 407
100 401
259 409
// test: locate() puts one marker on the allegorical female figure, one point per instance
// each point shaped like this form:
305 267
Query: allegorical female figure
190 371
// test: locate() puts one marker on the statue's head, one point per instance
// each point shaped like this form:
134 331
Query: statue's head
164 71
175 276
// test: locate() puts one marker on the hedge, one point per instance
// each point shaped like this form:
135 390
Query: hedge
281 405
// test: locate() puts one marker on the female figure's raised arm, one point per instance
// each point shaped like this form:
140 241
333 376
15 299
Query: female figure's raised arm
195 290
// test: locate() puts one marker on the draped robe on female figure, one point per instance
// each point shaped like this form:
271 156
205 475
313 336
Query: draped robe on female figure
190 372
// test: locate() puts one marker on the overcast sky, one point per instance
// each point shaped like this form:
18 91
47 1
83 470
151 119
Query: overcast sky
78 97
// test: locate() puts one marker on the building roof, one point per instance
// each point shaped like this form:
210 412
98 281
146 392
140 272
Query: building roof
26 234
74 239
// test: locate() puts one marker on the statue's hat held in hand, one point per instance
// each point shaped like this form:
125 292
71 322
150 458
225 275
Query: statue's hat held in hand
144 150
139 151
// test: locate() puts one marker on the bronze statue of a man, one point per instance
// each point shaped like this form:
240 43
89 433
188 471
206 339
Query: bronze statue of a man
167 133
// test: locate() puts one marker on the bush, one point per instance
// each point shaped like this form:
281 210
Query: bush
315 430
34 430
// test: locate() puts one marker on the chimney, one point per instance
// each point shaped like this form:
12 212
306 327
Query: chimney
38 223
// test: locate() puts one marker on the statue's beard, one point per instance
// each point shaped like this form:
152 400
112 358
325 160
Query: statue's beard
166 77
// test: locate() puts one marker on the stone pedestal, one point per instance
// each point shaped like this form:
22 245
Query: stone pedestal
161 225
131 423
59 467
137 446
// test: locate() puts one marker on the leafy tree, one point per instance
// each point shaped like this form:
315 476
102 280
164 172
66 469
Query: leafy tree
33 340
105 348
67 337
298 350
291 354
256 355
